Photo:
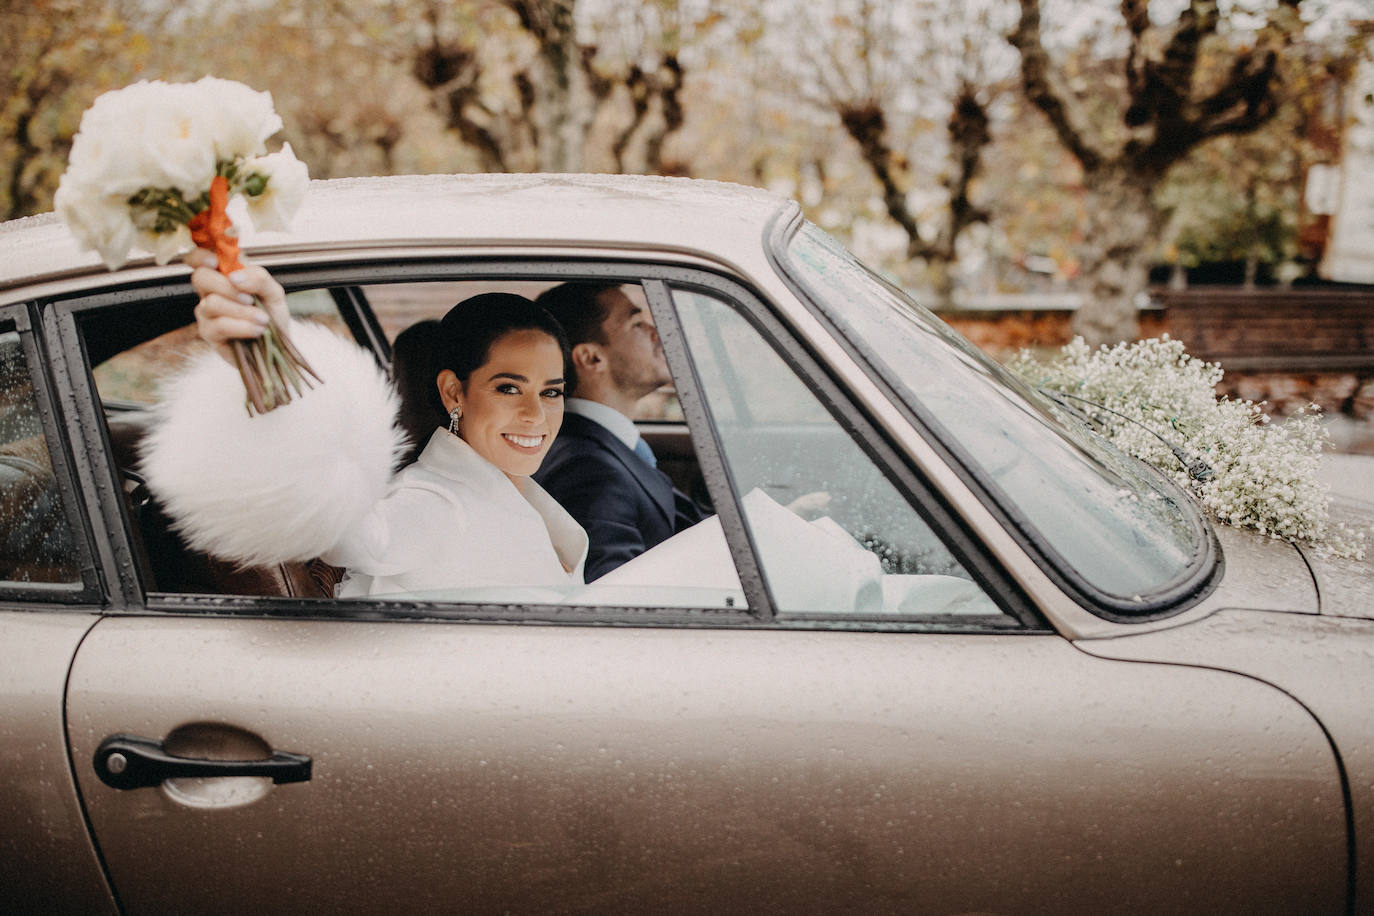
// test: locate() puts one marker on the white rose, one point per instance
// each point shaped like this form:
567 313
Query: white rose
166 245
176 142
148 135
155 137
241 119
99 221
105 150
287 180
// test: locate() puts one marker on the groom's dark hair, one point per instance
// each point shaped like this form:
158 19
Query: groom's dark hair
576 307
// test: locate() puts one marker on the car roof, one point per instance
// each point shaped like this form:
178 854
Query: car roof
702 217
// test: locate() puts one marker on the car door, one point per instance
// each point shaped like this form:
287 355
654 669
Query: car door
882 724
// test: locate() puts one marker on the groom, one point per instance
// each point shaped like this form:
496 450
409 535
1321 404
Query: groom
599 468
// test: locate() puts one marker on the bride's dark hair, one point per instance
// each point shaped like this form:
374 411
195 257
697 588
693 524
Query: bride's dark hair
461 342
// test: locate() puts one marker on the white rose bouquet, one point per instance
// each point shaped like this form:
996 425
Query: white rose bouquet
153 165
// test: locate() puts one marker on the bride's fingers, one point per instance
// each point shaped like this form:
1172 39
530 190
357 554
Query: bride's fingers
241 285
258 282
219 319
200 257
207 281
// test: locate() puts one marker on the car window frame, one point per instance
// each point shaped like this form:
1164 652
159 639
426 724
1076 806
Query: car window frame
88 427
1021 615
100 476
1200 580
42 372
454 266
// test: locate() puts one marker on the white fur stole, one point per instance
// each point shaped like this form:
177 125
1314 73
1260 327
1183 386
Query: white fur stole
285 485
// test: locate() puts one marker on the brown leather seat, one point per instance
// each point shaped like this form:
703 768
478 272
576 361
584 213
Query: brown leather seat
171 566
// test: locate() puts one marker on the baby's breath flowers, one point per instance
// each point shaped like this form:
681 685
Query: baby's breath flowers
1156 402
154 165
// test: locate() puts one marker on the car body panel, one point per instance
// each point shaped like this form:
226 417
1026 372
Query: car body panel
568 769
1327 663
1345 586
1262 573
47 862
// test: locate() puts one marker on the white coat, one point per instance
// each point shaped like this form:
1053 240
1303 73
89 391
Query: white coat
453 520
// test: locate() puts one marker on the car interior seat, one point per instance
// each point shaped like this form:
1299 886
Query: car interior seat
169 565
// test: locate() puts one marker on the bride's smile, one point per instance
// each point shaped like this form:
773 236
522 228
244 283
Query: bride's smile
524 442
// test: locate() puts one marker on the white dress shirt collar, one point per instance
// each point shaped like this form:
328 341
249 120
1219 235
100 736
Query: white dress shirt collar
620 426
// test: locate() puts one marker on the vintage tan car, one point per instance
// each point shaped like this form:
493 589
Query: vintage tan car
1007 669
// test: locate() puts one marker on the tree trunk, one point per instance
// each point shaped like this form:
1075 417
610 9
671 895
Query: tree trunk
940 274
1122 225
563 105
1162 81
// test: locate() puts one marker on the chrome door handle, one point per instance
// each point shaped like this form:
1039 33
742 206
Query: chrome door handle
130 762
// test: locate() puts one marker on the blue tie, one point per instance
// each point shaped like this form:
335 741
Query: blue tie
643 451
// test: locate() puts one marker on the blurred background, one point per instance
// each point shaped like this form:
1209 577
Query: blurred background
1030 169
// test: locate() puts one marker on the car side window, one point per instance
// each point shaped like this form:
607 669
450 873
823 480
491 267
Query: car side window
832 533
37 545
131 376
127 375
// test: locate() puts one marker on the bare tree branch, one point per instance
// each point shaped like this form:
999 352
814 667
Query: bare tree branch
670 101
1137 16
1250 83
835 82
1244 101
969 136
1259 104
472 132
867 125
638 85
454 70
1035 72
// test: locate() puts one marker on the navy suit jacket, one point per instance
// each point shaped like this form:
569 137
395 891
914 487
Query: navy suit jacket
625 505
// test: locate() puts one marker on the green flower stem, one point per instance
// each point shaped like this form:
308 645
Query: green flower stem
272 369
243 358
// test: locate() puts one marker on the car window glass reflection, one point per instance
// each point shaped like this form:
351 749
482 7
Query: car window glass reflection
1112 519
832 532
36 544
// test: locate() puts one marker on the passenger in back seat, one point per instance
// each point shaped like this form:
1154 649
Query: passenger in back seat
601 470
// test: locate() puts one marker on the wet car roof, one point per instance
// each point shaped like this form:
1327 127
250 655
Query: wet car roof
585 210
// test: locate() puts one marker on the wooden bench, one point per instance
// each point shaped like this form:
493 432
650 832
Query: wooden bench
1275 330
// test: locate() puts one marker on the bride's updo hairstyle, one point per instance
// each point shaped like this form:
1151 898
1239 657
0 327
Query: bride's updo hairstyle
411 374
461 342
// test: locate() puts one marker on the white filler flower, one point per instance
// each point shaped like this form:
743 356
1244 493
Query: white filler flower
1264 476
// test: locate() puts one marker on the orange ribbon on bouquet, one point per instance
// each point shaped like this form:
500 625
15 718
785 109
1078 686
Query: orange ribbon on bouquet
211 228
271 368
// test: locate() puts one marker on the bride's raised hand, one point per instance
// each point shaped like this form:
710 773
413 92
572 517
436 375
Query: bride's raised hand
226 311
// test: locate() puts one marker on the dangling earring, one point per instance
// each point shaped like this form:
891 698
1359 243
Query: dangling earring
454 416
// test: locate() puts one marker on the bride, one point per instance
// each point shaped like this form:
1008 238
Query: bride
465 513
